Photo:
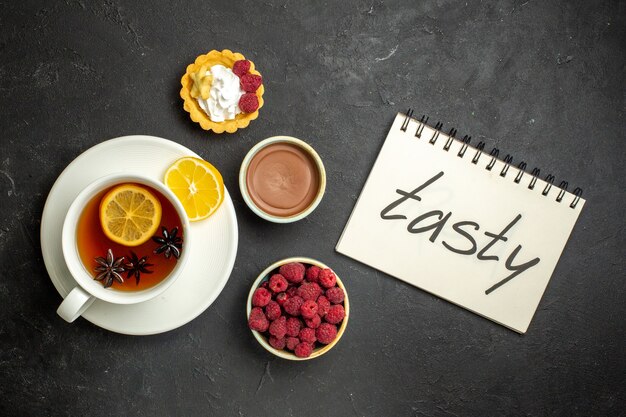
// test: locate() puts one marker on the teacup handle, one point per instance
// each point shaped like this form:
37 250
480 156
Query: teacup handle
75 304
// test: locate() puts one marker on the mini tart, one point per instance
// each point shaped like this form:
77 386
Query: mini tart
226 58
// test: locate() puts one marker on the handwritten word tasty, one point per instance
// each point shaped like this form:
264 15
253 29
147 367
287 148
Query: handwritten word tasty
434 222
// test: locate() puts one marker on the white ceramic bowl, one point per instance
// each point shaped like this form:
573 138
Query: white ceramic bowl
285 354
243 171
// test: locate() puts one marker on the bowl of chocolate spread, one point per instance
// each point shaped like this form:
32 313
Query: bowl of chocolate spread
282 179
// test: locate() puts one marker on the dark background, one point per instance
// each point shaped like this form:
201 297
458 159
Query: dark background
541 80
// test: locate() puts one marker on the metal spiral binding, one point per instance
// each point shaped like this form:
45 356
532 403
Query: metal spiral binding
466 141
577 193
438 127
451 136
479 151
520 174
420 127
405 124
508 160
550 180
535 173
494 153
563 186
494 157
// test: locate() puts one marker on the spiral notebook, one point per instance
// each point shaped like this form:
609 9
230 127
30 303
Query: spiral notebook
460 223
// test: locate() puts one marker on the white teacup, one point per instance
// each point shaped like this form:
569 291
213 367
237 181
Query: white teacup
88 289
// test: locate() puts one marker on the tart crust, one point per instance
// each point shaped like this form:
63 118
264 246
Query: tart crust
226 58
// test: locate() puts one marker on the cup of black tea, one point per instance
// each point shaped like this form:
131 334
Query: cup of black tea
125 240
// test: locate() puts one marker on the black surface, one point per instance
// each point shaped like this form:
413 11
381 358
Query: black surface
542 80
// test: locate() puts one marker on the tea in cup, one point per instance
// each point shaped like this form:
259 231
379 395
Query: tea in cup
125 240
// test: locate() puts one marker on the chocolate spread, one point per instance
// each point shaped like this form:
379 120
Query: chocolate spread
282 179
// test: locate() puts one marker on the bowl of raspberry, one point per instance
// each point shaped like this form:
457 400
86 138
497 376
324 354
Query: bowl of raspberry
298 308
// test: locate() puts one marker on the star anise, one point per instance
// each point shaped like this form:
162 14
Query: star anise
170 244
109 269
137 266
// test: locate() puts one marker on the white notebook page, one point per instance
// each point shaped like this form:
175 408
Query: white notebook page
447 242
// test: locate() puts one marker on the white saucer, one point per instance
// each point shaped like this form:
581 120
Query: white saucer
209 265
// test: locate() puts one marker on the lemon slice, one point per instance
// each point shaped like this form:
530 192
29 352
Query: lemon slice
197 184
129 214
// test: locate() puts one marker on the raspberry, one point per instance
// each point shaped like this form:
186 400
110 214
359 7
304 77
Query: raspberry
293 304
322 305
278 283
278 327
272 310
249 103
294 272
292 342
303 350
326 333
307 335
256 312
277 343
260 325
327 278
281 298
335 314
313 273
257 320
308 309
293 327
335 295
313 323
292 291
309 291
261 297
250 82
241 67
264 284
